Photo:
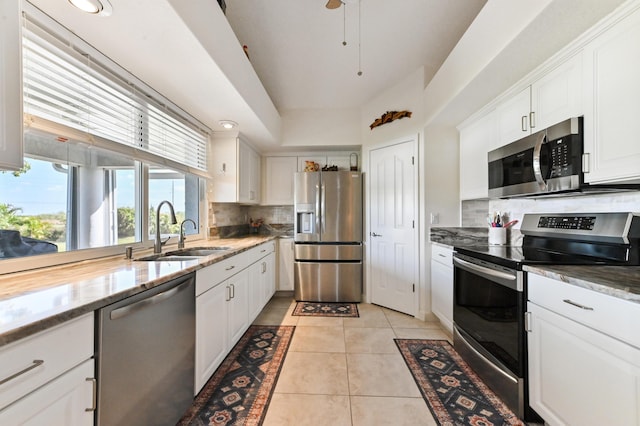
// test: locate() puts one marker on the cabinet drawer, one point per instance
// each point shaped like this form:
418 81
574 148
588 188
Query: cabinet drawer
213 275
257 253
442 255
613 316
43 357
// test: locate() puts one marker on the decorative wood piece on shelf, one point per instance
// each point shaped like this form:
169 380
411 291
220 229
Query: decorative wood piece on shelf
388 117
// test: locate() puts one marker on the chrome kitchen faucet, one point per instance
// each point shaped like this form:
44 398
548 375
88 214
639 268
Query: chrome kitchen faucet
157 245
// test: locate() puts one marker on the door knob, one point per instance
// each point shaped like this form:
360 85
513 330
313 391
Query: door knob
373 234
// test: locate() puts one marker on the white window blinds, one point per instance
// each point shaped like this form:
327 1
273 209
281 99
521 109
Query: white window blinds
79 88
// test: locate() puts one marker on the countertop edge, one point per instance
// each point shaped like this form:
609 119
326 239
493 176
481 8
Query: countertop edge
43 322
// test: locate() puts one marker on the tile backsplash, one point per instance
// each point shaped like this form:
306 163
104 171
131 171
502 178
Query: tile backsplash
474 212
230 220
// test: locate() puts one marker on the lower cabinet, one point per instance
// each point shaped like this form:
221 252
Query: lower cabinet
67 400
442 285
285 264
49 378
578 374
229 296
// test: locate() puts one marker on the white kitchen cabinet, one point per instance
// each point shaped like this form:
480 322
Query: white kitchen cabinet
576 366
234 169
67 400
278 180
476 140
212 341
229 295
612 106
285 264
55 378
11 147
442 284
238 305
268 277
554 97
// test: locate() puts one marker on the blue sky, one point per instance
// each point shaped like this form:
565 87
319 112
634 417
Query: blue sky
43 190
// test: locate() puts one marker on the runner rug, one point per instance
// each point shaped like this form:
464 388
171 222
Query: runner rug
325 309
239 391
454 393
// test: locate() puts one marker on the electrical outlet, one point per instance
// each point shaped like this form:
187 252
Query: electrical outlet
435 218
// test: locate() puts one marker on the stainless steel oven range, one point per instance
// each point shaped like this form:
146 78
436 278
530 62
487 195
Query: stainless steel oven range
490 290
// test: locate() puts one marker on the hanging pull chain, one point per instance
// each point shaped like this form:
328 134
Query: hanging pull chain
359 39
344 24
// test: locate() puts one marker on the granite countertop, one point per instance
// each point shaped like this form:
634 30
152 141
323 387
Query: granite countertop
33 301
618 281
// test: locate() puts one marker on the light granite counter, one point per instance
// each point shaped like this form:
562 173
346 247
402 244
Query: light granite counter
462 236
618 281
33 301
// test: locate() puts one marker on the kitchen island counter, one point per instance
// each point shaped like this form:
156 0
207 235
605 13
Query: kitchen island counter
618 281
33 301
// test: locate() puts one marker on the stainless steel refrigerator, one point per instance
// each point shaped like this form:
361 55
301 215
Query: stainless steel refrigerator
328 236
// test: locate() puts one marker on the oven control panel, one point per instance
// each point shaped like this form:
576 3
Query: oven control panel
582 223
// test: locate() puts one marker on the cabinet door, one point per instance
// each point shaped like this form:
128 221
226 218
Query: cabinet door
248 174
557 96
578 376
211 332
512 117
10 85
222 187
612 106
238 306
442 287
255 289
67 400
278 187
285 264
268 277
476 140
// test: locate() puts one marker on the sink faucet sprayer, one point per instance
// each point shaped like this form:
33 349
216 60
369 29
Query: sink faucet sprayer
182 237
157 246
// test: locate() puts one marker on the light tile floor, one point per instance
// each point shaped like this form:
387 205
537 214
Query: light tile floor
347 371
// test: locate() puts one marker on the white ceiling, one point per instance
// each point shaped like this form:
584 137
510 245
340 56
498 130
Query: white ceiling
296 47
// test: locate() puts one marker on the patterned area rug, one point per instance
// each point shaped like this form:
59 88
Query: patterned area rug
239 391
324 309
454 393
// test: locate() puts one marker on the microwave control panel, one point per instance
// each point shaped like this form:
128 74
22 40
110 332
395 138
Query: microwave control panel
560 153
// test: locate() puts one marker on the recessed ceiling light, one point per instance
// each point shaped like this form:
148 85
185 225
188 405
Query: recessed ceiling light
228 124
95 7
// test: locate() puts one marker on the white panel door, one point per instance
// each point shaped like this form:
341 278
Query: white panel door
393 254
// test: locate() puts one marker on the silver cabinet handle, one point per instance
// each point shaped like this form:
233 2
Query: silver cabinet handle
532 119
136 306
264 267
233 290
263 250
441 255
34 364
524 123
228 296
230 268
94 399
578 305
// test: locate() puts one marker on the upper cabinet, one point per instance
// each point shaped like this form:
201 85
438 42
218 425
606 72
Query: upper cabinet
554 97
10 86
339 159
612 104
278 178
234 167
476 140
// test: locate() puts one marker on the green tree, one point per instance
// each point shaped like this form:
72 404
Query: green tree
28 226
126 222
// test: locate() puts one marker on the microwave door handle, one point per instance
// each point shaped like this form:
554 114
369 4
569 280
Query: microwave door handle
537 169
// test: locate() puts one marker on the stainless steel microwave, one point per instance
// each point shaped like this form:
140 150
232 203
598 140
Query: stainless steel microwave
546 162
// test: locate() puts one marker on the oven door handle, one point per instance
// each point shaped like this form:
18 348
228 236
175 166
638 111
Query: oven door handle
502 278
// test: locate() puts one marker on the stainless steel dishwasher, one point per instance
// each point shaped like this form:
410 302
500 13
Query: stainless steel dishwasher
145 362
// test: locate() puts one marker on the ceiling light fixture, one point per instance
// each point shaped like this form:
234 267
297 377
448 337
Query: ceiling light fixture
95 7
228 124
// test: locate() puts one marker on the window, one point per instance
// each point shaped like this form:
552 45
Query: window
102 150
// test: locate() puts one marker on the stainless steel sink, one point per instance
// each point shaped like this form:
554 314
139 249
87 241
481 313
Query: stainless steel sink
183 254
197 251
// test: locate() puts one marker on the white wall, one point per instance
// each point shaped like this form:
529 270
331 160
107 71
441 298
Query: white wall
320 127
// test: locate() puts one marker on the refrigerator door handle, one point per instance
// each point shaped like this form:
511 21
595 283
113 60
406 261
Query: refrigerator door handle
323 205
318 206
